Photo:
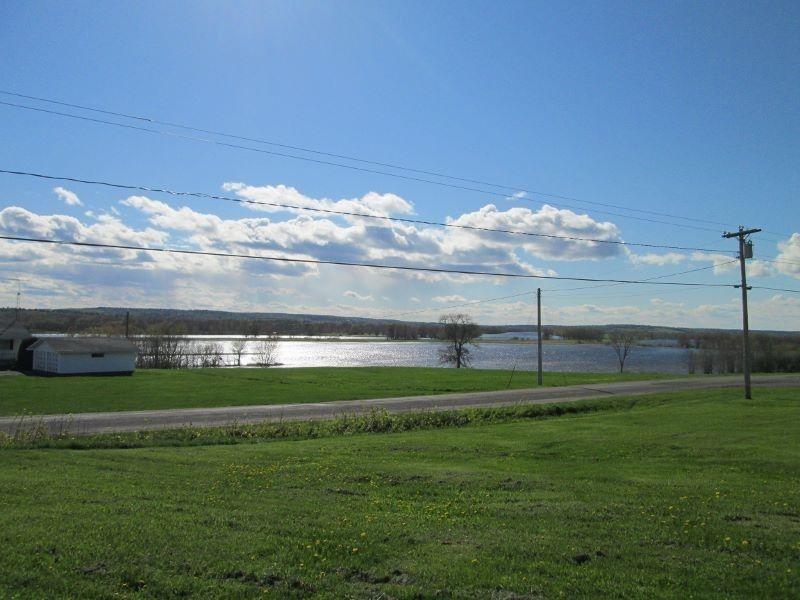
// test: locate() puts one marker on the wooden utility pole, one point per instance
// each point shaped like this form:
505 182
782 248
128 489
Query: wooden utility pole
745 252
127 323
539 335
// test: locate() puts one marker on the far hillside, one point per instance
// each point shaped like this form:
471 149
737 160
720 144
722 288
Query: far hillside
111 321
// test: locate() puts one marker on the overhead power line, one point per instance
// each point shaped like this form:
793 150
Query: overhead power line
203 195
344 156
341 165
686 272
475 302
779 260
616 214
343 263
774 289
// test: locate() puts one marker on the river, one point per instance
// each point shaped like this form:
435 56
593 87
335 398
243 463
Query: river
495 354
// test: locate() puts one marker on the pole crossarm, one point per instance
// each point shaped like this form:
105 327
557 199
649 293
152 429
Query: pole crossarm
741 232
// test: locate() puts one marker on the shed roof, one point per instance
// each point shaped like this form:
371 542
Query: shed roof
13 330
82 345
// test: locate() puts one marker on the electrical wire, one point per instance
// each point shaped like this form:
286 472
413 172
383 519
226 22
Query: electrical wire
774 289
345 157
475 302
779 260
341 263
330 163
592 287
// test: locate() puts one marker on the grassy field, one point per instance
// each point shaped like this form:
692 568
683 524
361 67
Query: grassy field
674 496
196 388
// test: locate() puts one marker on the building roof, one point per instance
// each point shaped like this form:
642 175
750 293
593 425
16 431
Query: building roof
13 330
82 345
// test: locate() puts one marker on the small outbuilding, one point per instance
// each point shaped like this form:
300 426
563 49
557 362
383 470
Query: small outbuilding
83 356
11 337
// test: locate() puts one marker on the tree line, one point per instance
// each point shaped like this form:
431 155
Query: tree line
170 351
722 352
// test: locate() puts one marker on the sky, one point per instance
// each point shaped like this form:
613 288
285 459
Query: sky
597 119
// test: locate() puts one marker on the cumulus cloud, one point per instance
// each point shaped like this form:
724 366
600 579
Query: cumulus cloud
69 198
93 266
723 263
371 203
760 268
325 238
548 220
357 296
789 256
107 228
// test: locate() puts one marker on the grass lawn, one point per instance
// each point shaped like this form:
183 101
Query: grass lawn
197 388
682 495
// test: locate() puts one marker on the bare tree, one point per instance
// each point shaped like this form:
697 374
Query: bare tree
238 347
266 350
459 332
208 355
162 351
622 342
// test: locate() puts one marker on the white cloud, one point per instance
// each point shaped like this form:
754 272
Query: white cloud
668 258
546 220
789 256
549 221
760 268
69 198
371 203
415 300
723 263
107 229
353 241
357 296
451 298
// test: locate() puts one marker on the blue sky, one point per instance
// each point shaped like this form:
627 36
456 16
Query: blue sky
683 108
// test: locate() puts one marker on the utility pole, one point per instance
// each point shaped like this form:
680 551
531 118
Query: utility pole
127 323
539 334
745 252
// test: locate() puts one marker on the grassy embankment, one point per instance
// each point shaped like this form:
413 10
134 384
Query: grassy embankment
197 388
674 496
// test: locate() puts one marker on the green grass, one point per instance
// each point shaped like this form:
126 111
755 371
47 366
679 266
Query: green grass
680 495
197 388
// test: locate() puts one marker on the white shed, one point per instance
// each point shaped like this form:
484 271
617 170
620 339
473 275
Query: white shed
11 337
83 356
